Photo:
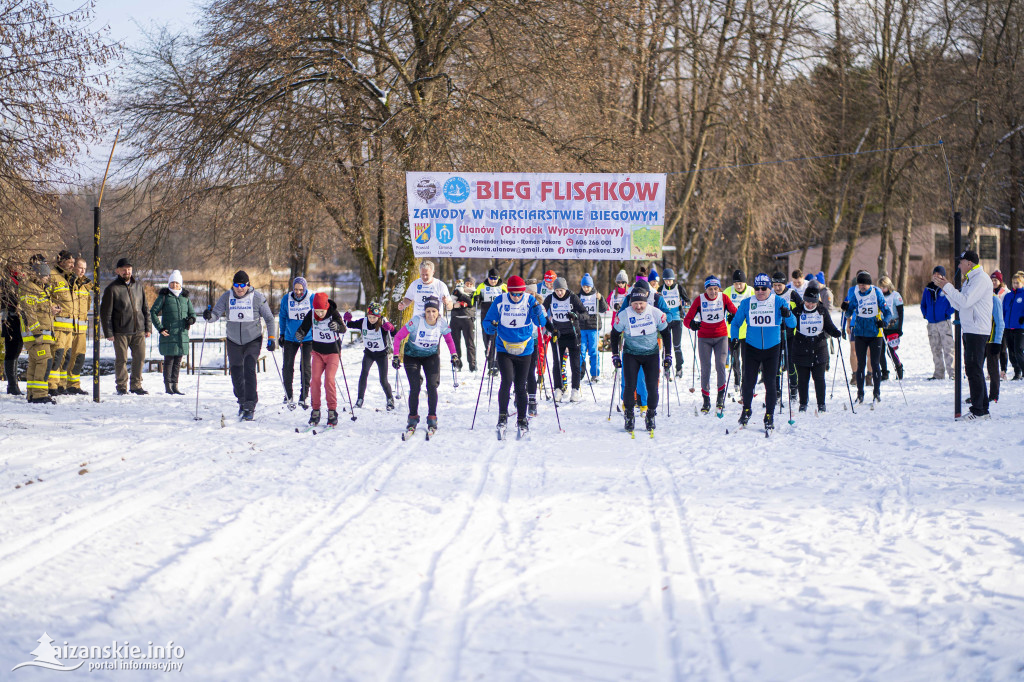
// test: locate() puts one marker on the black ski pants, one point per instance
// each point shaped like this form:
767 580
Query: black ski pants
974 367
765 361
463 328
290 350
371 358
804 375
431 366
631 366
675 331
568 342
242 365
515 371
862 344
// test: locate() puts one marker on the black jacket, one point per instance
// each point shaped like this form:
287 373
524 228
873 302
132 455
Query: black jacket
123 309
575 306
463 308
808 351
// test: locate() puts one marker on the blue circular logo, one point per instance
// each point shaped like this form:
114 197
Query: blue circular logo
456 190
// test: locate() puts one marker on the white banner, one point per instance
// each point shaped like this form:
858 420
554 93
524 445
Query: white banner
573 216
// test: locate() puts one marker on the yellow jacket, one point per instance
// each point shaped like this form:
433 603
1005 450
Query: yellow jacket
81 296
60 295
36 311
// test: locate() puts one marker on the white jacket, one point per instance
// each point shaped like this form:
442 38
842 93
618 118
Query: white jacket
974 301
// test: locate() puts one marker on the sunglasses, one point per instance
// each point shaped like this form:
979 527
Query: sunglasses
761 288
239 286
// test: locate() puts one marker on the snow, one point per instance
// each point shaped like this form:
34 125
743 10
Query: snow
882 545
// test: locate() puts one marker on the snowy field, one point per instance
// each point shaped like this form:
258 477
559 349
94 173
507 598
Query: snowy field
886 545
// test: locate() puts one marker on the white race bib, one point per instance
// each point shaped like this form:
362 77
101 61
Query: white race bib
373 339
762 313
712 312
589 302
671 296
867 305
241 309
811 324
297 310
642 325
560 309
427 338
490 293
617 299
322 333
515 315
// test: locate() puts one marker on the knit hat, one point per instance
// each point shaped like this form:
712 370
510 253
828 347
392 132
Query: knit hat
587 280
622 277
302 281
738 276
778 278
515 284
638 294
241 277
41 269
808 277
811 294
431 302
320 301
492 273
863 278
559 283
820 277
668 273
971 256
712 281
550 276
941 269
123 263
652 276
175 277
642 286
997 275
762 279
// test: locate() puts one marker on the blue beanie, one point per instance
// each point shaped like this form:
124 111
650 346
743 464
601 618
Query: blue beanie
712 281
652 276
808 277
939 269
762 279
587 280
820 277
302 281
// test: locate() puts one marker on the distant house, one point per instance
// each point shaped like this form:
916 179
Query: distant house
929 246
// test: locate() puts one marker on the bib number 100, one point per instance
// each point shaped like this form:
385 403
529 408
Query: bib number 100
761 320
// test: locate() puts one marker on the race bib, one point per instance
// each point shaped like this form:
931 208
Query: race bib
617 299
811 324
490 293
297 310
322 333
241 309
671 296
428 338
867 305
590 303
642 325
711 312
373 339
560 310
762 313
514 315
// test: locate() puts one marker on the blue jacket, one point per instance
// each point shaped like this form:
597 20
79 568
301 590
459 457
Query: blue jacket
535 317
866 326
762 337
289 326
935 307
997 320
1013 309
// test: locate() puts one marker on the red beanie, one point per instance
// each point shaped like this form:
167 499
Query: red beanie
997 275
320 301
516 284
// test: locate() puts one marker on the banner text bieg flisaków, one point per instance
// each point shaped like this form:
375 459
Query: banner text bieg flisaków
575 216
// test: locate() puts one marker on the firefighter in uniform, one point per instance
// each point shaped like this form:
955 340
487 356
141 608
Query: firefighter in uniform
63 323
37 313
81 288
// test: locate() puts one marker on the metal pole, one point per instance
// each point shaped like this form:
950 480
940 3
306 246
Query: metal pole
96 278
957 348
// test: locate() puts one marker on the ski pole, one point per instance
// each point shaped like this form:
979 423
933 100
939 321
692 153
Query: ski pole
455 377
668 403
554 402
615 386
900 381
487 362
279 375
344 378
199 369
398 384
590 381
789 379
693 366
836 368
845 377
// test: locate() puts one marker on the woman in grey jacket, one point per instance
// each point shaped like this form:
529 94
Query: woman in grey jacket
243 307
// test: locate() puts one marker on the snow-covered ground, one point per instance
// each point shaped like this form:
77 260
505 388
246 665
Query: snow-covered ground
886 545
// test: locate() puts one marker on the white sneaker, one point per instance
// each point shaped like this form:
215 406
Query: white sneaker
558 393
574 397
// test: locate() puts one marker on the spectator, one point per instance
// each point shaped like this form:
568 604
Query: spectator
999 290
1013 316
937 312
11 327
125 319
173 314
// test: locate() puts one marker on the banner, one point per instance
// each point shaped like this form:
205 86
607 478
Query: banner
573 216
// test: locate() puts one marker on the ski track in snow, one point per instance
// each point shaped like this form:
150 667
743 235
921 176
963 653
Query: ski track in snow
882 545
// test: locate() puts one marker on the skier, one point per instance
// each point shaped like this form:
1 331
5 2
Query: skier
377 333
484 296
546 286
675 300
325 324
784 290
37 313
618 295
810 345
798 283
639 328
993 349
1013 317
868 314
463 322
512 318
894 330
590 324
738 292
765 313
294 309
712 337
424 332
565 309
244 306
424 288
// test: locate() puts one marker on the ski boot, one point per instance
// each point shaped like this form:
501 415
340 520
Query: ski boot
679 372
522 428
493 371
531 406
410 426
314 418
390 406
803 407
769 422
899 371
557 394
574 397
707 404
885 375
332 418
630 422
359 402
744 417
649 421
720 400
431 425
248 415
502 427
821 407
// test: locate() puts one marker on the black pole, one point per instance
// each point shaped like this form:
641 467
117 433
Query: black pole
957 277
96 304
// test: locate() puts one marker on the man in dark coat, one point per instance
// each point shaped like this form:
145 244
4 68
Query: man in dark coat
125 319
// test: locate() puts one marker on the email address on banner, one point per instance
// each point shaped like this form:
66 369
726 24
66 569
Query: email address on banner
491 248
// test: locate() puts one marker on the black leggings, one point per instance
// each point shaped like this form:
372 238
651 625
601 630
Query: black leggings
765 361
515 371
1014 343
290 349
568 341
675 329
861 345
531 380
379 357
431 365
804 374
631 365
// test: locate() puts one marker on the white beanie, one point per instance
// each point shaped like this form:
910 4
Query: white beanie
175 277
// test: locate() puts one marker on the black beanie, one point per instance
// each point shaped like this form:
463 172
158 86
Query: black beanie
492 273
241 277
863 278
737 276
778 278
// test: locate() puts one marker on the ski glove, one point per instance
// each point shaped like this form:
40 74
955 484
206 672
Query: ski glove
734 344
994 349
271 345
667 362
190 320
456 362
396 362
786 311
336 326
695 325
554 338
207 314
880 324
845 306
835 335
347 317
616 362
